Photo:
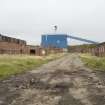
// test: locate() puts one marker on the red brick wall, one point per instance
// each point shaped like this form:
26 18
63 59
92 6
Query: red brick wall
11 48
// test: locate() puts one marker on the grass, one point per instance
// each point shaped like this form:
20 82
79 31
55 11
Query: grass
15 64
93 62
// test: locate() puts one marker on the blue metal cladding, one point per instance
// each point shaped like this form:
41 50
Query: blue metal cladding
57 40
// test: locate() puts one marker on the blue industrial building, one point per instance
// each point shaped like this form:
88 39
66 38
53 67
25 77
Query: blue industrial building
60 40
57 41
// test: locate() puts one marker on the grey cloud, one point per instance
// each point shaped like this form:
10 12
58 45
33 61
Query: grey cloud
28 19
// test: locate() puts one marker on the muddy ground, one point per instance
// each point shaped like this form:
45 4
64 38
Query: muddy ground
61 82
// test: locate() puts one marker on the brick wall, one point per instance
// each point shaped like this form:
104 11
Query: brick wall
95 50
10 45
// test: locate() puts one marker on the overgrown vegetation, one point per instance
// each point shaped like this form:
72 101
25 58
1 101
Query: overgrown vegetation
14 64
96 63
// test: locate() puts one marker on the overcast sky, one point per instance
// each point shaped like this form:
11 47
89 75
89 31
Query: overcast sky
28 19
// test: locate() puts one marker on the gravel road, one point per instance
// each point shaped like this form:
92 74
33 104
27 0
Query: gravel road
65 81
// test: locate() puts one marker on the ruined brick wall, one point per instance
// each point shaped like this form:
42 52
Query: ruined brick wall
101 49
95 50
79 48
10 45
35 50
54 50
11 48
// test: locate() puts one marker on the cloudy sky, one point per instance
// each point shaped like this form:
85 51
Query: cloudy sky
28 19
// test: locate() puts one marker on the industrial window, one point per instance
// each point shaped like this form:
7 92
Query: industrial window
9 39
3 38
6 39
17 41
13 40
0 38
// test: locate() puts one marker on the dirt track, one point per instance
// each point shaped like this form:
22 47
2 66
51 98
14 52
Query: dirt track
61 82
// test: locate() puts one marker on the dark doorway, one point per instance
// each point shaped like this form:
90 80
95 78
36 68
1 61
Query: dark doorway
32 52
